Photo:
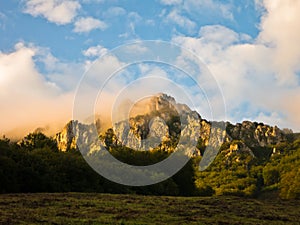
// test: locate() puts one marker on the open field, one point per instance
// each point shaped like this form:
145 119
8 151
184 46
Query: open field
82 208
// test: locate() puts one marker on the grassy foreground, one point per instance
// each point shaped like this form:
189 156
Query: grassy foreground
82 208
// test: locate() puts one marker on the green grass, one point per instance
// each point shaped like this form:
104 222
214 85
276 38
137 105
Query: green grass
82 208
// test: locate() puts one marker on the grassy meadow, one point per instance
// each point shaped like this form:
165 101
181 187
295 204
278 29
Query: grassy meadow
91 208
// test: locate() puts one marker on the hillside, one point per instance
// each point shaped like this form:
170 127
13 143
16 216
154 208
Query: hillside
251 159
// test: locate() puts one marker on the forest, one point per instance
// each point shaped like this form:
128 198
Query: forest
36 165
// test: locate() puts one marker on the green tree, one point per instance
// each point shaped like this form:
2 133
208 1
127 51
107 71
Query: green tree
290 185
38 140
271 175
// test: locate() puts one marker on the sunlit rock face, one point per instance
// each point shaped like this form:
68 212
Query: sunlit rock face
66 139
256 134
162 122
75 133
159 122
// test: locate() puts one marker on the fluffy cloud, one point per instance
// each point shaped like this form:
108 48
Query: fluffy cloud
280 28
259 77
28 99
56 11
182 21
85 25
95 51
31 99
221 35
65 75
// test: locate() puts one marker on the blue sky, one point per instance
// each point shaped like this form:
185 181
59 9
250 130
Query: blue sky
125 21
47 45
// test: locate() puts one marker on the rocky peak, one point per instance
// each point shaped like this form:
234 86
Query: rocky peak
160 123
163 122
162 102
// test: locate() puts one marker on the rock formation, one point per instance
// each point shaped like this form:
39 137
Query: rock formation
165 123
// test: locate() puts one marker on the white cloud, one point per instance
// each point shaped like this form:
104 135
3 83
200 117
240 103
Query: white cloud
218 34
95 51
250 71
196 8
28 100
209 7
56 11
280 28
31 99
85 25
23 56
182 21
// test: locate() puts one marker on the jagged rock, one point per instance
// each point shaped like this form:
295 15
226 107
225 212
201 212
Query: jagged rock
239 147
158 129
66 139
166 121
74 133
254 134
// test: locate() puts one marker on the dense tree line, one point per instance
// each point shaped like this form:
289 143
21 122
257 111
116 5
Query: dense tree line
36 165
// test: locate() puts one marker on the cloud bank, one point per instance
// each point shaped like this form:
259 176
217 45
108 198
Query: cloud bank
260 76
56 11
28 99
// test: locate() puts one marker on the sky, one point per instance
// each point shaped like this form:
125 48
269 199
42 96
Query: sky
250 48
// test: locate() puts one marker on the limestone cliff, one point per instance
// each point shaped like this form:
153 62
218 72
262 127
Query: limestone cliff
65 139
164 123
256 134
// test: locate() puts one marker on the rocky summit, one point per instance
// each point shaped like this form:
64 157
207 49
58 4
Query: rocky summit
166 124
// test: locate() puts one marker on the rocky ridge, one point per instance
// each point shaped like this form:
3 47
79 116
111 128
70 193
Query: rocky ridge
166 123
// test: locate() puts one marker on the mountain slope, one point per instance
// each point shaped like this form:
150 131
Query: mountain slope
164 122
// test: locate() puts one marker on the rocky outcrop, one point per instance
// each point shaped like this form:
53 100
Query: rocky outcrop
239 147
166 123
256 134
66 139
75 133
